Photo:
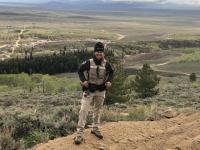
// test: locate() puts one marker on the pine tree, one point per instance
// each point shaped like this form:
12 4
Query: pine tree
145 82
120 90
193 77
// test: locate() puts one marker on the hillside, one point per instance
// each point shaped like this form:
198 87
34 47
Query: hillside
179 133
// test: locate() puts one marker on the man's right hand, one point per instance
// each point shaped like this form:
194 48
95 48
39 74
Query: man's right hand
85 84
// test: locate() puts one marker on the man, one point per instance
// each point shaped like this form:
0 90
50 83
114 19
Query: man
96 75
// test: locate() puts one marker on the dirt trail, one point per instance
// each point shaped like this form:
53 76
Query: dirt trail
13 48
162 64
120 37
179 133
3 46
18 40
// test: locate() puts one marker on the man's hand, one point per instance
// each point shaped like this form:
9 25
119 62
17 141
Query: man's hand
108 85
85 84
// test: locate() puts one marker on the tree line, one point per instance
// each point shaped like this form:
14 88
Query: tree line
167 44
64 61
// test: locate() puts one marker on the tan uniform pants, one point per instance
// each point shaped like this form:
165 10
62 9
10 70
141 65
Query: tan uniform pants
96 98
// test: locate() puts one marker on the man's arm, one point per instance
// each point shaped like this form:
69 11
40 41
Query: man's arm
85 66
109 72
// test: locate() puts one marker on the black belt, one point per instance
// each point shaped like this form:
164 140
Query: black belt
94 87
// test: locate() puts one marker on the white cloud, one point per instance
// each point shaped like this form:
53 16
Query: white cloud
187 2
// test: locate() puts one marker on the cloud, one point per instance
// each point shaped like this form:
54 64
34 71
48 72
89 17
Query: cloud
187 2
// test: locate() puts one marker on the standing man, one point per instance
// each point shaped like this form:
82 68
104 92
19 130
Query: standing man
96 75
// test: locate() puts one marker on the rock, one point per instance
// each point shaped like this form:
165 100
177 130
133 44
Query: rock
178 148
152 136
179 123
169 113
116 104
101 147
115 140
195 144
131 140
120 105
124 141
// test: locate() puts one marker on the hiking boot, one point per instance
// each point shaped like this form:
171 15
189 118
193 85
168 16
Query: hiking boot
78 140
97 133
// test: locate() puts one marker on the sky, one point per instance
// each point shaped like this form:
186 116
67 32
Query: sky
187 2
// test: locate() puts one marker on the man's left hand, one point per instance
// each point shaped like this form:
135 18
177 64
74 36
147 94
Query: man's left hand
108 85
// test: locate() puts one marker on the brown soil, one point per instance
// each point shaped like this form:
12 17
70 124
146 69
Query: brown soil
179 133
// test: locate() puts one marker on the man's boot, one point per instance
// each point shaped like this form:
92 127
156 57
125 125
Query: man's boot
97 133
78 139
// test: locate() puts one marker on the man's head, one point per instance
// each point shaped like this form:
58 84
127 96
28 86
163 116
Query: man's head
99 51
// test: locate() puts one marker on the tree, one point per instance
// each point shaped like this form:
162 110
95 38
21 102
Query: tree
145 82
120 90
193 77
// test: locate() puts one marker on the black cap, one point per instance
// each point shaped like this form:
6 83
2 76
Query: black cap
99 47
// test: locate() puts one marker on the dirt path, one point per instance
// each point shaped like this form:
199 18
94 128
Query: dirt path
18 40
179 133
13 48
120 37
162 64
3 46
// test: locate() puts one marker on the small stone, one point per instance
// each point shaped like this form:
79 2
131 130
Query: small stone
124 141
131 140
152 136
177 148
116 141
101 147
195 144
169 113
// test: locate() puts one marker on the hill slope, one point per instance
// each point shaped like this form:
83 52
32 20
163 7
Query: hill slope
179 133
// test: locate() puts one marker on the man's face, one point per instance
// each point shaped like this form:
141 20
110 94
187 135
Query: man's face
99 55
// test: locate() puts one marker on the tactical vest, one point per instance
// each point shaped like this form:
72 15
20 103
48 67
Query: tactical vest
97 73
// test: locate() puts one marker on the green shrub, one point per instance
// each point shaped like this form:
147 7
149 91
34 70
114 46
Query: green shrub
137 114
112 116
49 85
8 143
4 88
18 80
34 138
26 82
24 124
142 113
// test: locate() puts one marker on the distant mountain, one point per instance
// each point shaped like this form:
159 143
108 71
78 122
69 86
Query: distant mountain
111 5
105 5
